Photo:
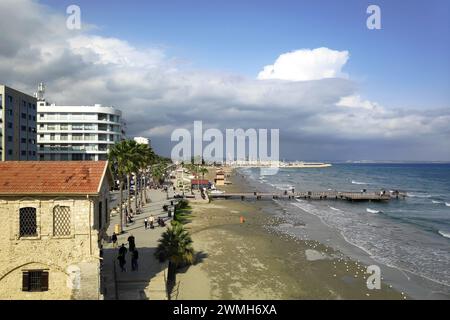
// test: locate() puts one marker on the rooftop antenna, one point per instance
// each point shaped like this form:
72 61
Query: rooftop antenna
41 92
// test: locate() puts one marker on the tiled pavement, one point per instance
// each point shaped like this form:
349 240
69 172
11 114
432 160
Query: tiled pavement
149 281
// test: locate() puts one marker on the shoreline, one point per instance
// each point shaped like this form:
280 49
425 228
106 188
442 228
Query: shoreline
414 285
254 261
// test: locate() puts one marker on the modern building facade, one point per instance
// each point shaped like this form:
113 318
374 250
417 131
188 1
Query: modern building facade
17 125
54 219
77 132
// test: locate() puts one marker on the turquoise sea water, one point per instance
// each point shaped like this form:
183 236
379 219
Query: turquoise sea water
411 234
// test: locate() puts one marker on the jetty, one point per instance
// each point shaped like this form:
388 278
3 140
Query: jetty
310 195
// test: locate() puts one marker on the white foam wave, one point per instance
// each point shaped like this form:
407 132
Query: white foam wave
447 204
358 182
436 202
444 234
333 208
372 210
418 195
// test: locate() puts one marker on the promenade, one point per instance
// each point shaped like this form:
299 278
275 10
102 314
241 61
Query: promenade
149 281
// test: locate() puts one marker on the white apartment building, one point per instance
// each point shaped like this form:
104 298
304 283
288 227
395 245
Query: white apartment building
77 132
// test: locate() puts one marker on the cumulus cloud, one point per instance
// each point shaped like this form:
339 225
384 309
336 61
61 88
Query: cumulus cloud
306 64
321 117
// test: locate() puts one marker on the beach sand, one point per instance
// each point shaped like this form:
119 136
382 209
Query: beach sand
249 261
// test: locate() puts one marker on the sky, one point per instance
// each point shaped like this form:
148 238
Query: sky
334 88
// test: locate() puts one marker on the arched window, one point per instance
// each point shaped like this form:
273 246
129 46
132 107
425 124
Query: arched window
61 221
28 224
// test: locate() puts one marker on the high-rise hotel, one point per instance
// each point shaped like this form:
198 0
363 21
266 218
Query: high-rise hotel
17 125
76 132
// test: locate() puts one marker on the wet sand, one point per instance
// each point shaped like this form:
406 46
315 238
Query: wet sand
250 261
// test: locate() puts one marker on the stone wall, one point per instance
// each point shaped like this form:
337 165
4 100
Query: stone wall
72 261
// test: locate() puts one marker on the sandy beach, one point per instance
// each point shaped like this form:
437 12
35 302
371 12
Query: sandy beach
250 261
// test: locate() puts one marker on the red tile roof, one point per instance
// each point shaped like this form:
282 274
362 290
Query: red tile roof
199 181
51 177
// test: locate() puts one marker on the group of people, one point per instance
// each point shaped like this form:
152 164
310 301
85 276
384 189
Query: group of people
150 223
123 252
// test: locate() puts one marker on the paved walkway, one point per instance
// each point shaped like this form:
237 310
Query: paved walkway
149 281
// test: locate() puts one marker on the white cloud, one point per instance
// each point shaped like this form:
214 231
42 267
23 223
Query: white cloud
306 64
355 101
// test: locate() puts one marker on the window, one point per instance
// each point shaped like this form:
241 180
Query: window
77 136
77 156
24 116
10 125
61 221
64 127
28 224
23 140
35 281
10 138
23 128
23 153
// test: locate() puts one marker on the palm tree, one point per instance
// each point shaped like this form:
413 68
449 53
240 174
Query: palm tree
144 157
175 246
122 157
203 171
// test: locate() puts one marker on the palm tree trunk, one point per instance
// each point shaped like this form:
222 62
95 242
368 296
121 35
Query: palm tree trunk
121 215
171 273
136 192
143 191
128 187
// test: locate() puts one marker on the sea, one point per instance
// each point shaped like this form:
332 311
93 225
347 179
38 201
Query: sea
411 235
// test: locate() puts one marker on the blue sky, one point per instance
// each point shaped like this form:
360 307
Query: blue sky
335 89
405 64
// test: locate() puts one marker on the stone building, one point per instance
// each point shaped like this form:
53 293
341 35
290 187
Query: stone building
54 216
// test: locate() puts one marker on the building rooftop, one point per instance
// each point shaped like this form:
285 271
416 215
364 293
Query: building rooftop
52 177
196 181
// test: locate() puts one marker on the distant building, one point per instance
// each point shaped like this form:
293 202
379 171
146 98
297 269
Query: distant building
200 184
76 132
54 215
142 140
17 125
220 178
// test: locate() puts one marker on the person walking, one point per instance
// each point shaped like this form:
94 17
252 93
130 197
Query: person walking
131 243
145 223
134 260
152 221
121 258
114 240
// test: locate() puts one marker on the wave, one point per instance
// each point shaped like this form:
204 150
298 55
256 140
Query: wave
333 208
447 204
444 234
373 211
437 202
358 182
418 195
